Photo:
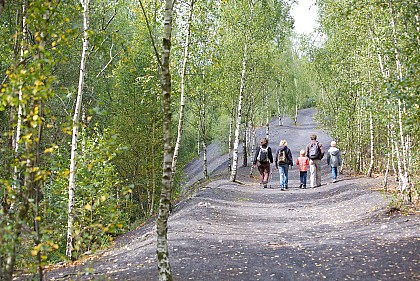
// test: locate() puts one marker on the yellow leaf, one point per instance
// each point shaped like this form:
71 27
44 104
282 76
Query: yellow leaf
103 198
49 150
34 252
88 207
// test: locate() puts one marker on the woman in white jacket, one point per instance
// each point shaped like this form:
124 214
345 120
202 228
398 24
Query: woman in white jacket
334 160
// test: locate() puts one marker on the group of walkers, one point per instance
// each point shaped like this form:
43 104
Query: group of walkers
309 158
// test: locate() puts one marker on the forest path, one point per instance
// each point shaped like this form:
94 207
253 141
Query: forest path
240 231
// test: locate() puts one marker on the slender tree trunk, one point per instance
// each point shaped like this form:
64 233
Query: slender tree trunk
279 112
372 132
164 268
372 146
16 210
75 131
267 121
230 138
182 102
205 168
153 152
203 127
296 101
403 165
245 146
18 129
253 145
238 117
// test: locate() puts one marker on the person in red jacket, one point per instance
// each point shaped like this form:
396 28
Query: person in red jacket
303 163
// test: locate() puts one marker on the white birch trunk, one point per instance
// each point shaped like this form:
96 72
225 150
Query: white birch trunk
10 257
372 145
253 146
403 171
359 136
205 168
204 134
230 139
164 268
153 151
279 111
267 121
75 131
296 101
17 134
182 102
245 147
238 118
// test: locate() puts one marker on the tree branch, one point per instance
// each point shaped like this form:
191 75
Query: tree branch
150 34
111 58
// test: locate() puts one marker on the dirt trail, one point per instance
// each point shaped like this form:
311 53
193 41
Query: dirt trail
240 231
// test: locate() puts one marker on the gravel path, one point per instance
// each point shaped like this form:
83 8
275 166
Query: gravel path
240 231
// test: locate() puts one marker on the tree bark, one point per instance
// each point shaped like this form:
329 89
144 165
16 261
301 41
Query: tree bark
203 122
267 121
372 146
403 168
296 101
164 268
75 130
238 117
230 138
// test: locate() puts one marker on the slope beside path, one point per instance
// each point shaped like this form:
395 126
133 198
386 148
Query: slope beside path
240 231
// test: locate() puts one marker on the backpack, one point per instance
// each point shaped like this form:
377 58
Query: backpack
282 158
263 155
314 151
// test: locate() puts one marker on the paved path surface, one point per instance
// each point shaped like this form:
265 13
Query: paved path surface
240 231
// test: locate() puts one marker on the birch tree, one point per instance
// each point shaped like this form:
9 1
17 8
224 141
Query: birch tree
183 84
75 129
164 267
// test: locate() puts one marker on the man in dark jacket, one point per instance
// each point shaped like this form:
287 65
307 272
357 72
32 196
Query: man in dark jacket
315 151
262 159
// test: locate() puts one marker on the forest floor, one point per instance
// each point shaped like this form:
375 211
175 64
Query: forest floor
241 231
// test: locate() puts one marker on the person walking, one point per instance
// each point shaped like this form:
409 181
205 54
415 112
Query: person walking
315 152
262 159
334 160
283 160
303 163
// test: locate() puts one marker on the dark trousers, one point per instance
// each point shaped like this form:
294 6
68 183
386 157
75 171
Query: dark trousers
264 169
303 175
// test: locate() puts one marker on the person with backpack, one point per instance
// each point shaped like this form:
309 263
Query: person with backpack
262 159
334 160
284 159
303 163
315 152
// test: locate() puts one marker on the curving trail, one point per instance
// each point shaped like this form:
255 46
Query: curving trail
240 231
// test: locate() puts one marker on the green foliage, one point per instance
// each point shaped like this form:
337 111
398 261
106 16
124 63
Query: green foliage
366 69
101 197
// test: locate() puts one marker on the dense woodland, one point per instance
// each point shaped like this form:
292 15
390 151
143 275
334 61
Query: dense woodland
104 102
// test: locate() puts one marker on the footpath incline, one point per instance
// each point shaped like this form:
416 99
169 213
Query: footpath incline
240 231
